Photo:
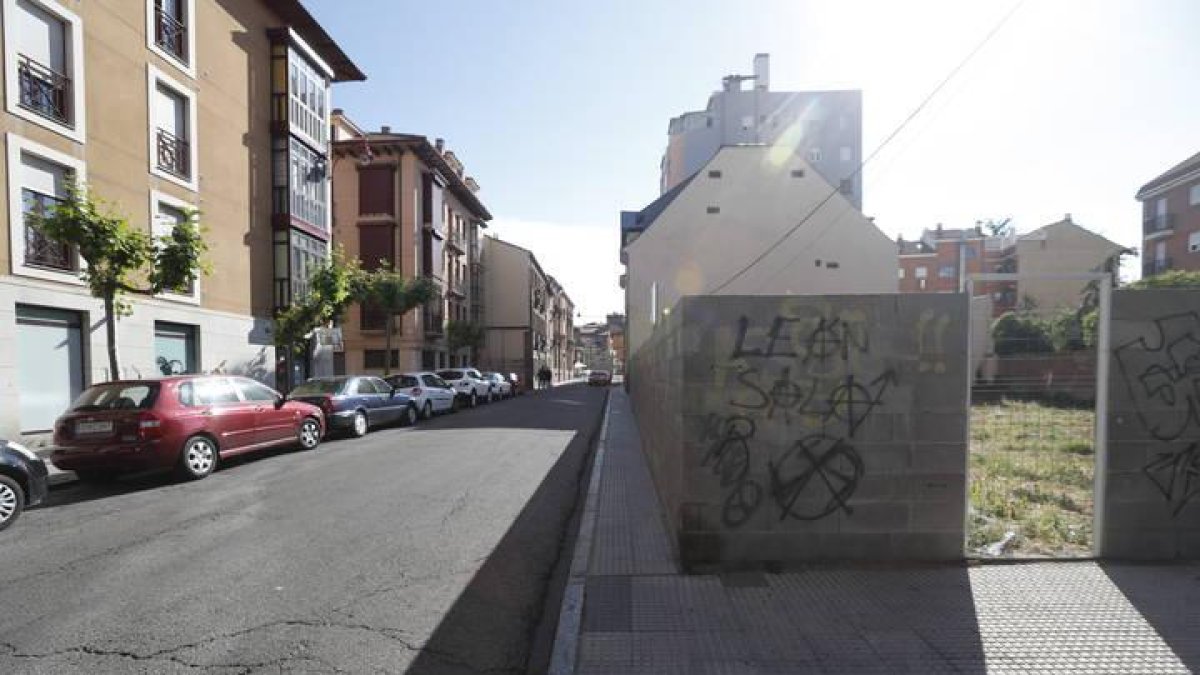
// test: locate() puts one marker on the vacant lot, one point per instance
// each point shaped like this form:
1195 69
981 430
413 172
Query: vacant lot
1032 467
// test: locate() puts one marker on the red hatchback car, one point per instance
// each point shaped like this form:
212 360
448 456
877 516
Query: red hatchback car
186 423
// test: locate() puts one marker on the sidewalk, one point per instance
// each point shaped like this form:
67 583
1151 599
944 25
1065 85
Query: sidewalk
640 615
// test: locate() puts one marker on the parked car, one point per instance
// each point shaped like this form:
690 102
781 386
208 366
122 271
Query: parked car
601 378
430 393
22 481
470 385
187 422
500 384
354 404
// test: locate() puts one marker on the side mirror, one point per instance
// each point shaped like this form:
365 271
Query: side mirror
279 401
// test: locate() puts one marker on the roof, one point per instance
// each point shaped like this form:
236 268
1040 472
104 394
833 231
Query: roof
646 217
914 248
295 15
946 233
424 150
1179 170
1041 233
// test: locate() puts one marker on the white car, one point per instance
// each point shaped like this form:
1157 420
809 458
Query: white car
500 385
470 384
430 393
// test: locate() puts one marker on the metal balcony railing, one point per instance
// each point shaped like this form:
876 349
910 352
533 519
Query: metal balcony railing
170 34
1158 223
1154 267
43 90
455 245
174 155
40 250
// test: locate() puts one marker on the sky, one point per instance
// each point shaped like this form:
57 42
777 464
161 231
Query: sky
560 109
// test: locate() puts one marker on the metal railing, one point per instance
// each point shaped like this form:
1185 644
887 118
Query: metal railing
1158 266
40 250
1158 223
170 33
174 155
43 90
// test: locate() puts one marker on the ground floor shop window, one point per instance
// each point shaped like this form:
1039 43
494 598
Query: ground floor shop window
50 364
175 350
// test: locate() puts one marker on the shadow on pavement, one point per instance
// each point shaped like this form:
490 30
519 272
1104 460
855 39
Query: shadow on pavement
497 623
1168 598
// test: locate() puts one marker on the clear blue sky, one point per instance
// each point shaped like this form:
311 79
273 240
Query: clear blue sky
560 109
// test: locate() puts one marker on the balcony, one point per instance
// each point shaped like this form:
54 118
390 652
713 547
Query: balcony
1153 267
43 90
40 250
174 155
170 34
1159 223
455 244
456 288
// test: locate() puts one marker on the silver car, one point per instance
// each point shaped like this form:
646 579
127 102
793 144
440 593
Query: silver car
431 393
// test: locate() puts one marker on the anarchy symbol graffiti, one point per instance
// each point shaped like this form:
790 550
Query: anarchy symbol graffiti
815 478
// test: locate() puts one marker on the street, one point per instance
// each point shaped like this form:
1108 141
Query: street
421 550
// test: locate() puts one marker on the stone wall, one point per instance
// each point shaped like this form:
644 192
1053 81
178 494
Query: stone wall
805 428
1152 487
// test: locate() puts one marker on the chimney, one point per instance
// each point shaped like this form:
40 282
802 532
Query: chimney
1067 218
385 129
939 228
440 144
762 71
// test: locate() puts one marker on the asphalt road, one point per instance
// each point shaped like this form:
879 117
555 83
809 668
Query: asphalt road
423 550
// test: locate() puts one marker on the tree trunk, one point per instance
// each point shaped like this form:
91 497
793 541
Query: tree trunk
110 330
387 344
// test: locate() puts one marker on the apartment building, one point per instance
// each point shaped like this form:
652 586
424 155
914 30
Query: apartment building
824 127
1171 219
942 260
561 332
160 106
595 347
616 332
405 202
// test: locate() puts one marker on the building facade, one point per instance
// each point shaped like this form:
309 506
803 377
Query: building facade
708 236
595 347
160 108
405 203
616 333
561 332
824 127
1171 219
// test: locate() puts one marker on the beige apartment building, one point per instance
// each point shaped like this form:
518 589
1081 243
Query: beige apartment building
405 202
160 106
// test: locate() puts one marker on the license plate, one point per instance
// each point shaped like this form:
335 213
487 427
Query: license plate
93 427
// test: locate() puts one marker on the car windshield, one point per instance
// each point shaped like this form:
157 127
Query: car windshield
451 374
117 396
322 386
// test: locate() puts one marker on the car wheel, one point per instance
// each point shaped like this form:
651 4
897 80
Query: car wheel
427 411
12 501
95 476
198 458
410 415
309 434
360 426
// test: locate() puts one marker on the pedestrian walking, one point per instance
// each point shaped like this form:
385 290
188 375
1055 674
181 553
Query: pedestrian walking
544 377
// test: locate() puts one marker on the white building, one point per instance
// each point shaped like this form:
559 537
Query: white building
708 228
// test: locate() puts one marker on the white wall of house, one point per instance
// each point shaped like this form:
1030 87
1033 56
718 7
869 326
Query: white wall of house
723 220
226 342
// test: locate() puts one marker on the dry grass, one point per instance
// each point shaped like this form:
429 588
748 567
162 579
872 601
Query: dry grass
1032 468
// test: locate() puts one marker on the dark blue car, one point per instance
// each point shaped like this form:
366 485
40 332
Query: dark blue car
22 481
354 404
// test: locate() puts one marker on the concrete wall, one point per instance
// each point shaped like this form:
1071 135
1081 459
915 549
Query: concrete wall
1152 493
789 429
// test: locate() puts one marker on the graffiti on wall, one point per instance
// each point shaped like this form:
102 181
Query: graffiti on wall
812 379
1161 373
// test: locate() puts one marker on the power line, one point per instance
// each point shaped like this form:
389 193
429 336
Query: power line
916 111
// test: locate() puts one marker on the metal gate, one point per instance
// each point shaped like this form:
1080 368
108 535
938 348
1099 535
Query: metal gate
1037 417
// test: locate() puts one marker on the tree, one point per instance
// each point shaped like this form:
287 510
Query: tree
334 285
460 334
119 258
395 295
997 228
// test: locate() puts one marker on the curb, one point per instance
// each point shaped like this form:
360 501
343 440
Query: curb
565 652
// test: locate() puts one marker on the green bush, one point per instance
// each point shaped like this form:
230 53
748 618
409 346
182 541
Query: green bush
1021 334
1169 279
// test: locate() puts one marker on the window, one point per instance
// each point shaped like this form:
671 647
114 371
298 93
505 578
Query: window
307 253
308 185
654 302
1194 242
165 213
376 190
175 348
113 396
814 154
308 93
253 391
797 173
374 359
947 272
747 122
901 272
216 391
846 187
37 179
846 153
1194 195
169 32
43 61
715 173
921 272
376 246
173 148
